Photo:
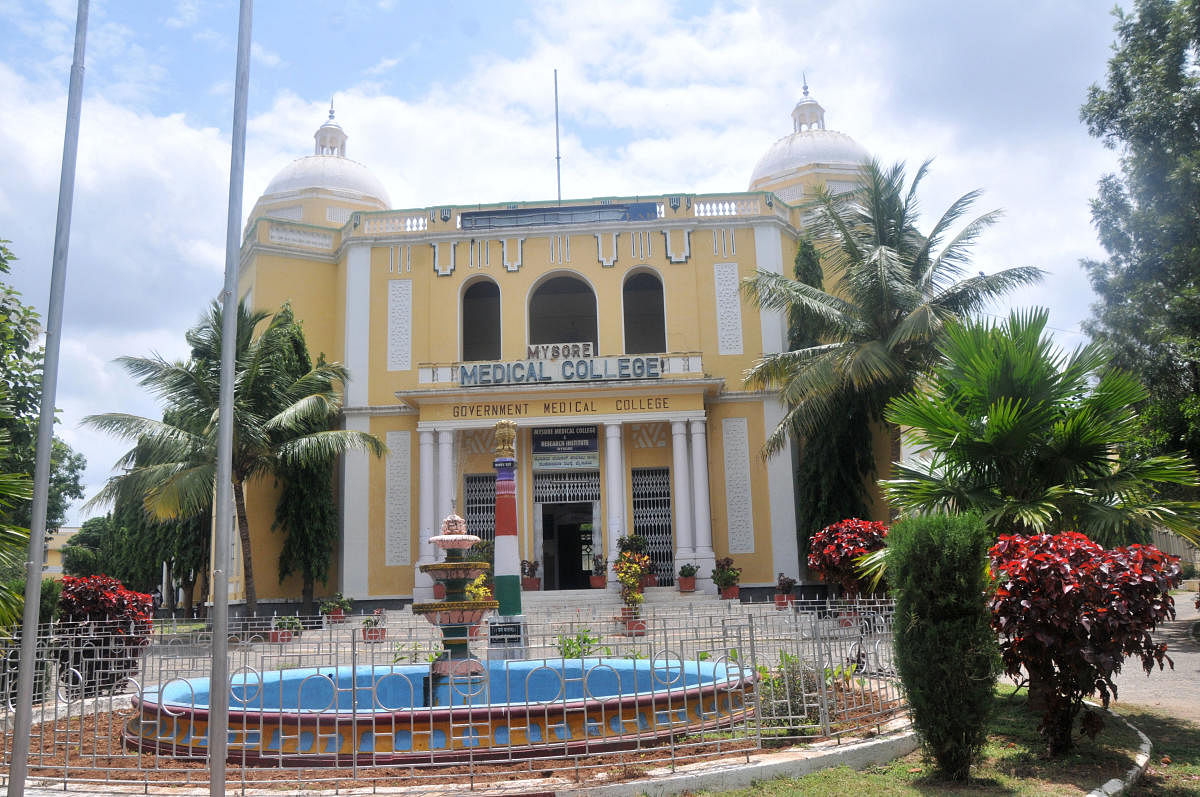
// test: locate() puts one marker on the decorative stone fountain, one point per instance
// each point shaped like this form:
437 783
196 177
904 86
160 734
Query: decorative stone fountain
455 615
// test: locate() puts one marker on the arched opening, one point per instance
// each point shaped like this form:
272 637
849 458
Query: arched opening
645 323
481 322
563 310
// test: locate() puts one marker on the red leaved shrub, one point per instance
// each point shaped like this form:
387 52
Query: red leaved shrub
1069 612
835 549
103 630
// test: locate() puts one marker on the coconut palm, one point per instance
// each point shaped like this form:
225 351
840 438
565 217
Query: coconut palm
276 404
1035 440
890 291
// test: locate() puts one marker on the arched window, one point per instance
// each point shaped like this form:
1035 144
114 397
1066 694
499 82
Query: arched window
645 324
481 322
563 310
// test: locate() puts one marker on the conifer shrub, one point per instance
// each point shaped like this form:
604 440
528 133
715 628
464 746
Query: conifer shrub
946 651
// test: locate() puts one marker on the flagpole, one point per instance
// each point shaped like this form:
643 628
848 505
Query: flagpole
19 766
218 718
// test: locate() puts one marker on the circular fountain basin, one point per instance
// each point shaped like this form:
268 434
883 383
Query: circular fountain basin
393 714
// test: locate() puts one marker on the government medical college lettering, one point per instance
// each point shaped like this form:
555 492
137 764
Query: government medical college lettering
584 369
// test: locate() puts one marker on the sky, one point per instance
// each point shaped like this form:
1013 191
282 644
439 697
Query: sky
453 102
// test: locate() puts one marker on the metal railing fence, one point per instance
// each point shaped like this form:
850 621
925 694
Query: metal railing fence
102 717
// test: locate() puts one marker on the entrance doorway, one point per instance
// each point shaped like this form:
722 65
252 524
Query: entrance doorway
566 545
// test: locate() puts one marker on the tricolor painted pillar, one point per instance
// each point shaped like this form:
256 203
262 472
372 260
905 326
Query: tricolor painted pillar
508 559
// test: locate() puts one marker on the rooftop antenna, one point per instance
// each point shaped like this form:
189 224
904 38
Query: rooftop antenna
557 152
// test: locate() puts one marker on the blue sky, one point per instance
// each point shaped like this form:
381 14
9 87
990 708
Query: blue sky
452 103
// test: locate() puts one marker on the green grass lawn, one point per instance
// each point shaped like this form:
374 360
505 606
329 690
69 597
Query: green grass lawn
1174 769
1014 763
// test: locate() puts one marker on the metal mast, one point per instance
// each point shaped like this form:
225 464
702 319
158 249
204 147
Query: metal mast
41 470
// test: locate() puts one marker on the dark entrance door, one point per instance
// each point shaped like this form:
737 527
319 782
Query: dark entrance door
566 545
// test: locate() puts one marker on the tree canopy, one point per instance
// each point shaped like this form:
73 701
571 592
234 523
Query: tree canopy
172 466
1148 215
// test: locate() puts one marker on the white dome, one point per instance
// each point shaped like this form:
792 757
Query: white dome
332 172
805 148
809 144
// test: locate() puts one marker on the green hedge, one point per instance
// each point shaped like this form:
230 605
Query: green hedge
946 651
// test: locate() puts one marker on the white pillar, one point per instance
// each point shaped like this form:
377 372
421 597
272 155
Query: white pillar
426 517
356 471
705 558
445 483
685 539
614 492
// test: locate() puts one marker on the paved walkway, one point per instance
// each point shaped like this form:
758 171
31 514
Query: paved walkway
1177 691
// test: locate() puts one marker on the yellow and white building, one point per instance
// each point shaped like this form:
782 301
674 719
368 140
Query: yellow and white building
613 331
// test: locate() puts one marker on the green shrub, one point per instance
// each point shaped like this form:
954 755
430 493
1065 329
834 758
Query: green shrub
946 652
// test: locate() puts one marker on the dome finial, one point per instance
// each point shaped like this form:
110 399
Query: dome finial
330 138
331 104
808 113
803 77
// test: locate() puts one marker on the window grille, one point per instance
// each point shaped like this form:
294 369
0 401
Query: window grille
566 486
479 504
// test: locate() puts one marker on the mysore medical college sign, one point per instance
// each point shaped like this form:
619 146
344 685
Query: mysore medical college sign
561 362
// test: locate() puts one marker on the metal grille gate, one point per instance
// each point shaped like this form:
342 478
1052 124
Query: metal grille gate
652 519
479 504
566 486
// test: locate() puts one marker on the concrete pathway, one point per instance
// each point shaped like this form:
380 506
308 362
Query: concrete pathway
1174 691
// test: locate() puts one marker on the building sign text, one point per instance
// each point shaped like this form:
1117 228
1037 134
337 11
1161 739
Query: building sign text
584 369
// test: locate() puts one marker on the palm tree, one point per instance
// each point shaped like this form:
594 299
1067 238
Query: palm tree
890 292
1035 440
173 464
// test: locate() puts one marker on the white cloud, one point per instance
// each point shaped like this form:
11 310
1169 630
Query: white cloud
264 56
384 66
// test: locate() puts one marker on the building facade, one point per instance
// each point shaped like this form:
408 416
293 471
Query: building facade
613 331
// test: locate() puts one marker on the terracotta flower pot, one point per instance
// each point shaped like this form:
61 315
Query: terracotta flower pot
335 616
687 583
531 584
628 613
599 582
782 600
376 633
635 627
281 635
730 593
649 580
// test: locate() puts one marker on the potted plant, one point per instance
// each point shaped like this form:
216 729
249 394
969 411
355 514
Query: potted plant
529 577
726 577
284 629
599 577
335 608
783 591
632 543
373 628
687 577
629 568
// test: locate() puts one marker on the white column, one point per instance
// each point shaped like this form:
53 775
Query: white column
781 485
705 558
614 492
444 504
358 324
355 513
685 539
426 517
